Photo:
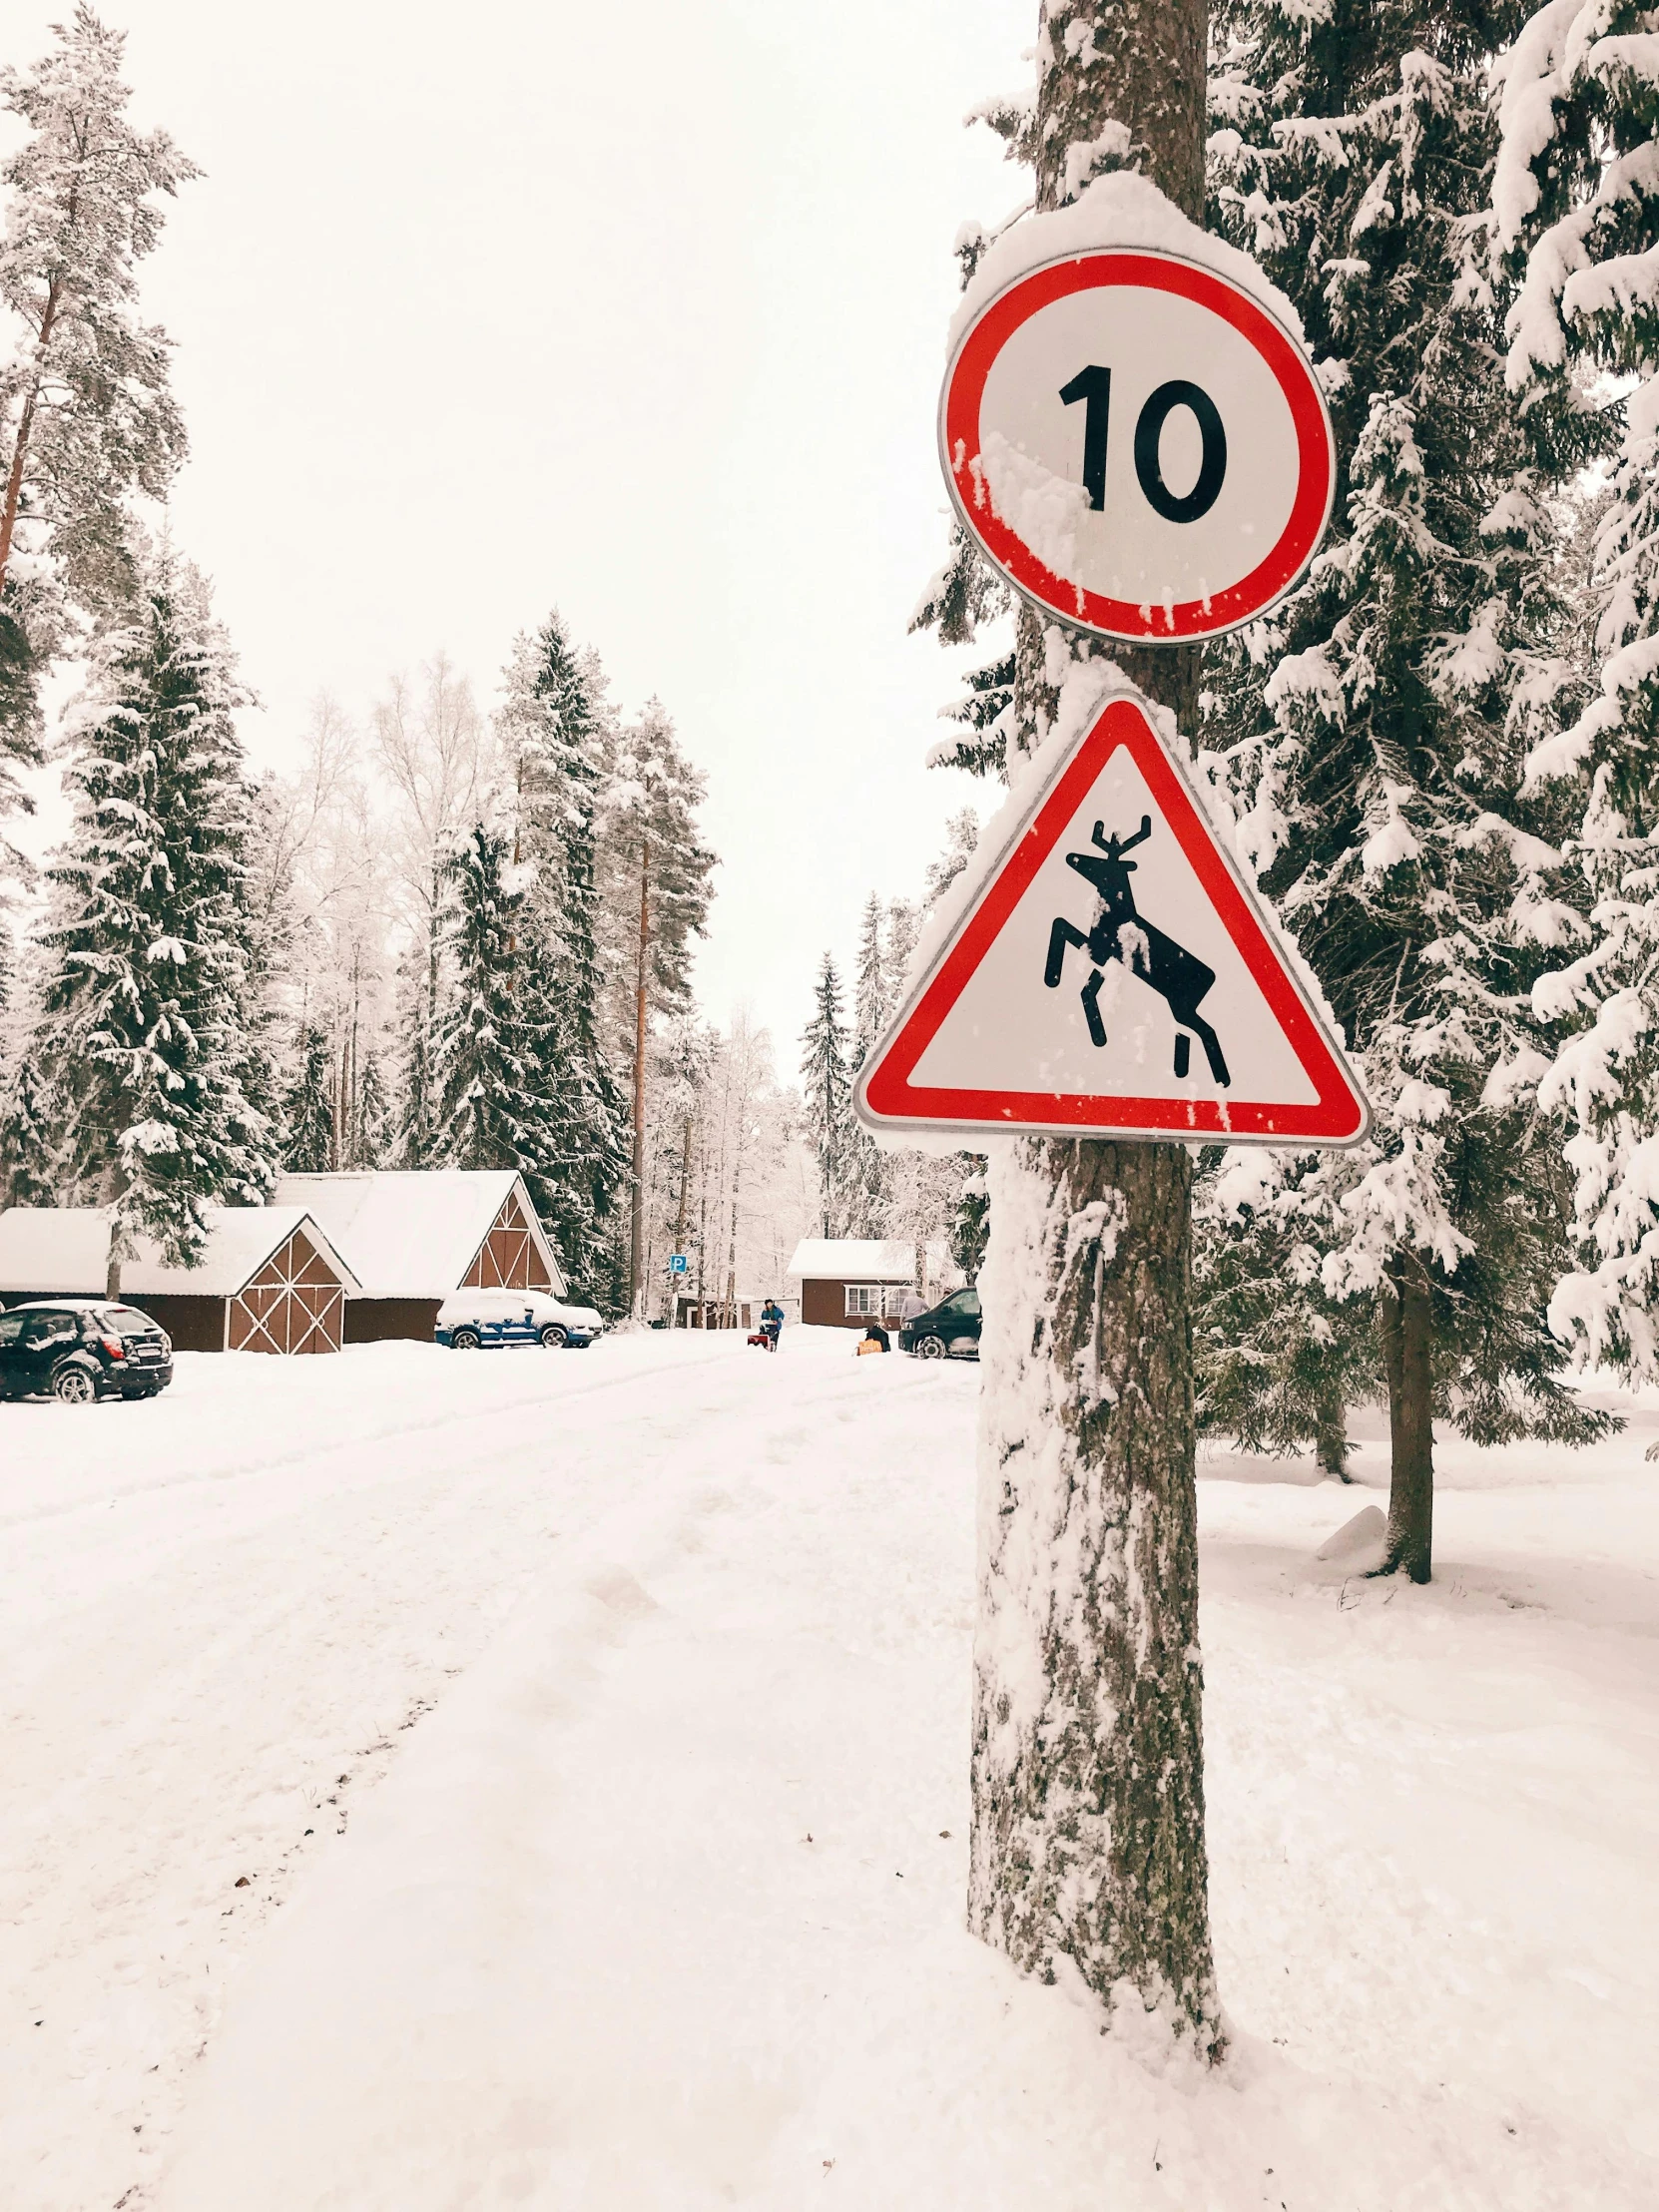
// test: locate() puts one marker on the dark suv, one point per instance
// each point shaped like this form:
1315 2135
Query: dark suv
81 1349
949 1330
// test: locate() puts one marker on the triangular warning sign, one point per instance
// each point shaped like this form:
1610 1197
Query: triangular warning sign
1114 976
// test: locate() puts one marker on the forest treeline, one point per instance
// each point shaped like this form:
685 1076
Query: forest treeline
454 936
1439 751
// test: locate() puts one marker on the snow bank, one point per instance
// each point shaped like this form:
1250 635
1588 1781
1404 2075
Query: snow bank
663 1909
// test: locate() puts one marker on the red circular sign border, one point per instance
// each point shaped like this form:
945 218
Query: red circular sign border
1152 269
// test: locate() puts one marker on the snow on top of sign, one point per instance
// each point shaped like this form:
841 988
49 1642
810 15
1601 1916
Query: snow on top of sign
1118 210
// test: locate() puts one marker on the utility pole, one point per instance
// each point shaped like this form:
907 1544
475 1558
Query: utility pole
680 1217
1088 1794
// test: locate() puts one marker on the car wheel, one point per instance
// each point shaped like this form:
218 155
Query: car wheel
465 1339
554 1336
930 1347
74 1387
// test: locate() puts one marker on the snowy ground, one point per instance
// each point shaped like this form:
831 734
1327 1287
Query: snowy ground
590 1732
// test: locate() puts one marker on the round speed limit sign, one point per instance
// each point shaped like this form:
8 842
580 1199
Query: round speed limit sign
1138 445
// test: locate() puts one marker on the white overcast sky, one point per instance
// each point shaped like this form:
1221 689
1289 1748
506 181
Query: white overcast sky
636 310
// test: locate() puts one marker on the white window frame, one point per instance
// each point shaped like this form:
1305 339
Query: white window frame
857 1291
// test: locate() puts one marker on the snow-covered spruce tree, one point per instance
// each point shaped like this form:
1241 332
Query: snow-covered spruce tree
963 597
87 418
868 1177
1278 1359
655 874
1576 201
416 1111
827 1087
309 1108
30 1117
1088 1798
489 1115
147 1029
1372 731
554 724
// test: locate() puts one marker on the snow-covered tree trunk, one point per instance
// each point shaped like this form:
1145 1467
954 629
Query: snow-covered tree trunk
1407 1321
1088 1794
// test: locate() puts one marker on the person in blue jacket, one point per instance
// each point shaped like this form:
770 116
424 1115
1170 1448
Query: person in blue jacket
771 1323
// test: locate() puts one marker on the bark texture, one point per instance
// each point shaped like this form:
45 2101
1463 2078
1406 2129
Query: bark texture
1406 1317
1331 1445
1088 1784
1088 1790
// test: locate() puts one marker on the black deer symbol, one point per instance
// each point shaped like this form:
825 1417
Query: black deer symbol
1173 972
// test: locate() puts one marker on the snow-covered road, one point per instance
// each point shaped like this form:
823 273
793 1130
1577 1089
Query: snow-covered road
219 1615
661 1905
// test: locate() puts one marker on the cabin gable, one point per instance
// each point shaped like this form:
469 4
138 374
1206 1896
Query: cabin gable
294 1304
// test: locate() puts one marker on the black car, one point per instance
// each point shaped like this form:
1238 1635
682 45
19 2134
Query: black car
81 1349
949 1330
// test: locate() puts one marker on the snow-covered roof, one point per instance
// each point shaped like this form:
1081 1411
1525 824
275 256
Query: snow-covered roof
853 1260
67 1247
414 1233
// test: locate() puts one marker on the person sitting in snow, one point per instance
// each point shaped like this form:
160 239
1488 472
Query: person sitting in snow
874 1339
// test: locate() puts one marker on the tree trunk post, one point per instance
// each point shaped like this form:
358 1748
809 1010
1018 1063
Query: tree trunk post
1406 1315
1331 1445
1087 1841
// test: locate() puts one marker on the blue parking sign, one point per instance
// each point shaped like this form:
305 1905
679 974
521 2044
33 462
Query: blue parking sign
677 1262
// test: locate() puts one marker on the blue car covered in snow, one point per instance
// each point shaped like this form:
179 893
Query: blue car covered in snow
474 1321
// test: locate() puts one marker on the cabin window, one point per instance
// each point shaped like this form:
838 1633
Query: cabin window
864 1299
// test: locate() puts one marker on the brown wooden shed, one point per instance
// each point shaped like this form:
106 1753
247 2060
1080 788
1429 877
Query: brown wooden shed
848 1282
416 1237
268 1280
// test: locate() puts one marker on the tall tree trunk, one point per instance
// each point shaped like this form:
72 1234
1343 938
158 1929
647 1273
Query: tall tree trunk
115 1185
13 499
1331 1445
635 1219
1088 1793
1405 1313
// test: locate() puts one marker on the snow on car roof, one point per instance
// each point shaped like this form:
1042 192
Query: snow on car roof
413 1232
65 1250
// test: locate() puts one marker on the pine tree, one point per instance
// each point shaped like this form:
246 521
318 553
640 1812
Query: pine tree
656 872
1373 730
554 725
1278 1360
488 1116
415 1121
869 1174
371 1132
307 1107
1577 230
86 419
1087 1844
144 1027
828 1090
29 1118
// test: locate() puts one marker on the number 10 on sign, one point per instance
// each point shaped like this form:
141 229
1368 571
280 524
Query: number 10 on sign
1138 444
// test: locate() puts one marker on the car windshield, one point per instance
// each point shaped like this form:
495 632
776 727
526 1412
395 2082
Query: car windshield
11 1328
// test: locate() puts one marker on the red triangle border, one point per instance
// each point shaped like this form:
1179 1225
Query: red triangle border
887 1098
